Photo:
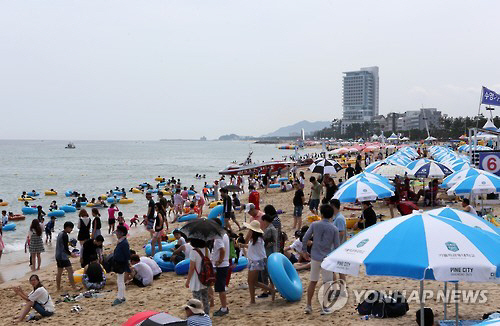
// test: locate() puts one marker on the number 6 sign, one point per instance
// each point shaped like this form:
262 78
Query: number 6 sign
490 162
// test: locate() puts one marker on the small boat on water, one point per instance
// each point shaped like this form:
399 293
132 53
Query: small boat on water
70 145
248 167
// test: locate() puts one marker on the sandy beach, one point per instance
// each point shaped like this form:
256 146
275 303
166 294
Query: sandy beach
168 293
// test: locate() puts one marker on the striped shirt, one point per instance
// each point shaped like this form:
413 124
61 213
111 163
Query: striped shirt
199 320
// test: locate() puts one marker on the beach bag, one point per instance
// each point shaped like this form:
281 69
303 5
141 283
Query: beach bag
397 307
366 307
206 273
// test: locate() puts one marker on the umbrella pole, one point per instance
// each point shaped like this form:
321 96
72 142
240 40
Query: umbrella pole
445 298
456 305
421 302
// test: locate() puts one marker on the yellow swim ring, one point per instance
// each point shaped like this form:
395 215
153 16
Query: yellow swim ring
313 218
50 193
349 222
4 203
78 274
159 179
104 197
136 191
125 201
24 199
215 203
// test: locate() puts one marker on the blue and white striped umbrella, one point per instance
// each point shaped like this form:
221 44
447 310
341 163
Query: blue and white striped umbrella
420 246
476 184
416 163
462 165
370 177
361 190
373 165
458 176
431 170
466 218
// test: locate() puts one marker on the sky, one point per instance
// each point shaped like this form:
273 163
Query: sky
109 70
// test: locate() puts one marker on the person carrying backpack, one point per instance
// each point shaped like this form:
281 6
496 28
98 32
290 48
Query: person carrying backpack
201 274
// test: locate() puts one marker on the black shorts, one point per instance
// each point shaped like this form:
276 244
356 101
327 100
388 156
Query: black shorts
138 282
293 259
220 278
63 263
230 216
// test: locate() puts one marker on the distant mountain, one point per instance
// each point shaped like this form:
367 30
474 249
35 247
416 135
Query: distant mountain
235 137
294 130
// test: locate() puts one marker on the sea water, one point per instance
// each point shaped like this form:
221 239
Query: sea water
95 167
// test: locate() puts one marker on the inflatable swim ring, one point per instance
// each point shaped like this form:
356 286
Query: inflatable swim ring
284 276
68 209
78 275
125 200
162 258
166 193
104 197
152 191
161 184
136 191
216 211
313 218
25 199
158 179
50 193
118 193
242 264
29 210
182 268
191 192
82 203
4 203
31 193
215 203
9 227
68 193
56 213
147 249
353 208
111 200
349 222
283 179
274 185
188 217
17 217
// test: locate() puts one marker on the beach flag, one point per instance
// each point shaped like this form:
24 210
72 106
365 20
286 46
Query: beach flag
490 97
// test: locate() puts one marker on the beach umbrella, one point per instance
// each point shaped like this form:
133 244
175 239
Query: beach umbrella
423 247
390 171
341 150
325 166
371 177
203 229
362 190
466 218
373 165
416 163
476 184
458 176
368 179
431 170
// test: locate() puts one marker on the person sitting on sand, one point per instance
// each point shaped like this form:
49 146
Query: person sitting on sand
292 252
94 276
195 315
38 299
151 263
368 217
141 274
182 249
468 207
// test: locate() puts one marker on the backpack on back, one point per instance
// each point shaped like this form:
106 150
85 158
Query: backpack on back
206 273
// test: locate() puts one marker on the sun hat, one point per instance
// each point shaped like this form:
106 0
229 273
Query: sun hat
254 226
249 207
197 196
195 306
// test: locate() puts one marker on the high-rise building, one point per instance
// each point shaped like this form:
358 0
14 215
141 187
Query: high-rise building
360 96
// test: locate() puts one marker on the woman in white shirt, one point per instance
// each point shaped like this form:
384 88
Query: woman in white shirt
39 299
256 255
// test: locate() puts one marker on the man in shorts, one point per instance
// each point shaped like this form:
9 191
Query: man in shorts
316 189
220 261
326 239
228 209
63 254
151 214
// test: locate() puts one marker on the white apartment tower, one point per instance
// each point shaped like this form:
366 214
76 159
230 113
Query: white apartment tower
360 96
